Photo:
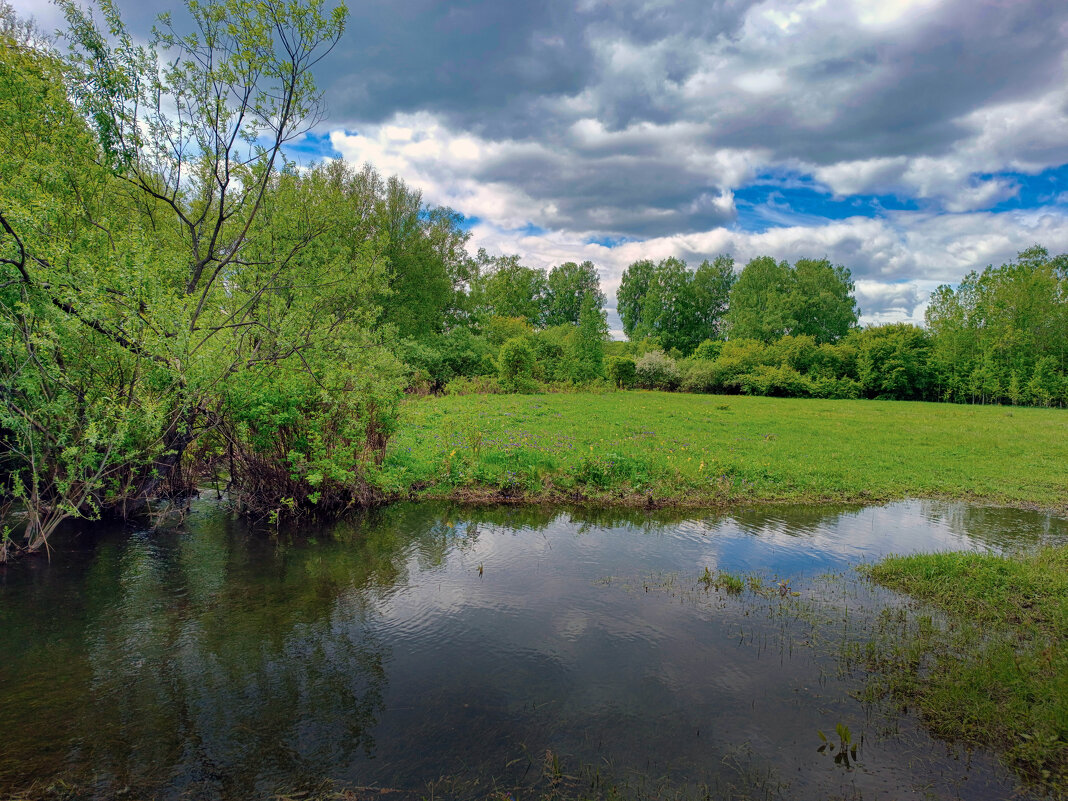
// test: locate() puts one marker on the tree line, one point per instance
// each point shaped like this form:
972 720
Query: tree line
181 304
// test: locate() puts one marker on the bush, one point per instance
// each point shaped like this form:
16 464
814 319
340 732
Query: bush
620 371
837 388
464 353
551 347
655 370
780 382
500 329
705 376
798 352
708 350
299 448
515 365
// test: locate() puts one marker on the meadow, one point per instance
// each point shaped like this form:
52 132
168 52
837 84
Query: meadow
666 449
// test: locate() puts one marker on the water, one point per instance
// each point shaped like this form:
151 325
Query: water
433 650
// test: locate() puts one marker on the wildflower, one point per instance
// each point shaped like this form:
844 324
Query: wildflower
452 454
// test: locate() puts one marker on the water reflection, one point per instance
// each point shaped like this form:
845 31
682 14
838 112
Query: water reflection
423 641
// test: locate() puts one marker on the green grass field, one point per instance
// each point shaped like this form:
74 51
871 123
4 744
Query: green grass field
708 450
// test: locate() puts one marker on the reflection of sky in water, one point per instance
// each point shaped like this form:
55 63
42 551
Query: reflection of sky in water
215 661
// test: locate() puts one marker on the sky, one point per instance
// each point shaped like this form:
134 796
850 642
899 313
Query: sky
909 140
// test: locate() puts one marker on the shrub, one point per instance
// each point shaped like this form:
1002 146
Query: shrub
500 329
655 370
704 376
798 352
708 350
620 371
515 365
550 354
463 353
782 382
837 388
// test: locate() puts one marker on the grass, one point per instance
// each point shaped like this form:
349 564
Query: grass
996 673
652 448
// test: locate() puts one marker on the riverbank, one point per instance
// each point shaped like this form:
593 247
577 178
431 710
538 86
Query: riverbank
995 672
667 449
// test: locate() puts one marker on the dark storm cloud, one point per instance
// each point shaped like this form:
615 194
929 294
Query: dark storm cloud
837 90
614 194
902 95
487 66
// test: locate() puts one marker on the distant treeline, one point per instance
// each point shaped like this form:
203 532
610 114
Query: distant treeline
771 328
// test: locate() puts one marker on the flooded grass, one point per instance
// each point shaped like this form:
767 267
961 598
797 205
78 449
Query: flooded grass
994 671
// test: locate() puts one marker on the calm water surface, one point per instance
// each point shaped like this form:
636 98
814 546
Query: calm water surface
433 648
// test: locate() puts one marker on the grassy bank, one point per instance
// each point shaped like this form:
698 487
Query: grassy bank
996 673
664 448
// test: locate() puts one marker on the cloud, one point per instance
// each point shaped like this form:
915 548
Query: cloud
567 123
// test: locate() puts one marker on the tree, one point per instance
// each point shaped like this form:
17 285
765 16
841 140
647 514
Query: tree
812 298
999 323
712 284
892 361
515 364
567 288
164 265
820 302
505 288
658 301
588 345
759 301
427 259
630 297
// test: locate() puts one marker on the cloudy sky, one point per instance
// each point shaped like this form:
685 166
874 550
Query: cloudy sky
910 140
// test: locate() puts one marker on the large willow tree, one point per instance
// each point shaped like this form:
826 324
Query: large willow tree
170 285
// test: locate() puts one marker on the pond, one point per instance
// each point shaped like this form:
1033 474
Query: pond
436 651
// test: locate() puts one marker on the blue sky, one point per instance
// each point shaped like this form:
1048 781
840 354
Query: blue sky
910 140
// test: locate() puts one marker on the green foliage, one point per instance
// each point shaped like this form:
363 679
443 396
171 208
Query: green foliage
505 288
307 436
668 303
892 361
1046 386
567 287
758 301
620 370
515 365
500 329
587 351
708 350
204 295
820 303
782 382
656 370
772 299
997 324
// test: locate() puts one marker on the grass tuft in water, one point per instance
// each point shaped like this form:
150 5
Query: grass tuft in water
996 671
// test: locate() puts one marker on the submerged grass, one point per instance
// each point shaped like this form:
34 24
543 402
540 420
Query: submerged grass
995 672
660 449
